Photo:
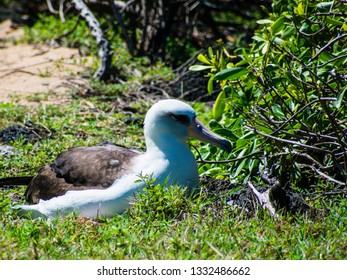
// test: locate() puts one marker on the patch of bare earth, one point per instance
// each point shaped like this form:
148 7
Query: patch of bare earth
32 75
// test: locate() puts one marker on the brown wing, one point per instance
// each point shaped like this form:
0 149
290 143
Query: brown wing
80 168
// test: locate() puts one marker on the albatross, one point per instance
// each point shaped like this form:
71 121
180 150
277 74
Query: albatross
100 181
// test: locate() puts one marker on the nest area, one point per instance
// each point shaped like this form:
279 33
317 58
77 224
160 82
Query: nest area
249 200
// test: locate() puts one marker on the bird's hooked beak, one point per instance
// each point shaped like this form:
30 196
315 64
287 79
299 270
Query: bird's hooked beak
199 131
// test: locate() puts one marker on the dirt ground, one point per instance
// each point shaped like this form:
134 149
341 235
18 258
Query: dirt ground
32 75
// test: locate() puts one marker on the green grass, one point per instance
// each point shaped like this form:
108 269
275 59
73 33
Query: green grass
78 124
164 224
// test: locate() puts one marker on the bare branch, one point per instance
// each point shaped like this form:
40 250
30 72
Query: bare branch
333 41
61 10
306 156
122 25
290 141
327 177
50 7
302 109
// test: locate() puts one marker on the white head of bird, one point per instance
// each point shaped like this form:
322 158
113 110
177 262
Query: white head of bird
171 120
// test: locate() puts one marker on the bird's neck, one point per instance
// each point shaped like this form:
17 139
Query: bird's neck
170 158
168 146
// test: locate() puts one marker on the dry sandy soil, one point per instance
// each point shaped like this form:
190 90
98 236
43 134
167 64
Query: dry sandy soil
31 75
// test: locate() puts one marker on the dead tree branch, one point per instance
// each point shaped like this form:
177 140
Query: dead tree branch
103 43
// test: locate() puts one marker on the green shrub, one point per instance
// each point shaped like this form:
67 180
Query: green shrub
285 95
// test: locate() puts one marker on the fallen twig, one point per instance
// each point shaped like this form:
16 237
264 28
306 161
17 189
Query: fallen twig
264 199
16 71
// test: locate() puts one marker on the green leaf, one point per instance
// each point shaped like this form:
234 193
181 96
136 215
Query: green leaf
248 135
252 164
305 27
339 99
210 84
231 73
279 41
264 129
258 39
265 48
334 22
245 56
219 106
277 25
239 168
325 6
271 67
288 32
210 52
199 67
221 61
276 109
300 9
240 143
324 57
227 89
264 21
203 59
215 125
241 164
226 133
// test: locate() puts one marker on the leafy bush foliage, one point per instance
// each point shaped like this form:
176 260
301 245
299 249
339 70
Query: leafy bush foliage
285 95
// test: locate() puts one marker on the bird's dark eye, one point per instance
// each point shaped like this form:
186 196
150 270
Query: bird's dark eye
184 119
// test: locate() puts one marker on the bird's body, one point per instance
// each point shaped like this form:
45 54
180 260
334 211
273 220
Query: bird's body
101 180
